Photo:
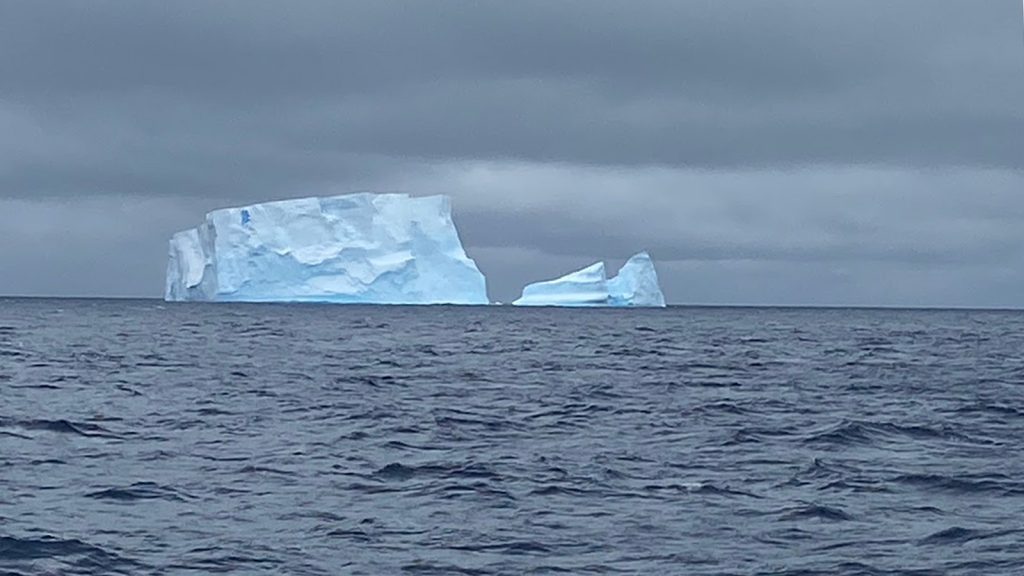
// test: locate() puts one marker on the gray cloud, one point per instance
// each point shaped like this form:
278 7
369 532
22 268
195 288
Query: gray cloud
812 146
676 83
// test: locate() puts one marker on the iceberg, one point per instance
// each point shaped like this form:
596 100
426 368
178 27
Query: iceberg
357 248
636 285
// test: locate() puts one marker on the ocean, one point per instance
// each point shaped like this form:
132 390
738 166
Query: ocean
138 437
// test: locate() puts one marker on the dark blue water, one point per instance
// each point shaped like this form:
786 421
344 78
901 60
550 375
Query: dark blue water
144 438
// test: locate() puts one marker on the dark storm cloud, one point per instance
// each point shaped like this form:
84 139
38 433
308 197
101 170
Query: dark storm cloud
699 83
713 133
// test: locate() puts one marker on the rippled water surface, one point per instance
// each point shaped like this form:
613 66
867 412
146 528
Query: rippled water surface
144 438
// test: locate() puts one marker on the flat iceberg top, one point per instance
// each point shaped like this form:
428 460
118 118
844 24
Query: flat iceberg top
636 285
354 248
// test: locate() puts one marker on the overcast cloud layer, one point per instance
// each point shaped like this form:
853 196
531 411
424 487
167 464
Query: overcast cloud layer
783 152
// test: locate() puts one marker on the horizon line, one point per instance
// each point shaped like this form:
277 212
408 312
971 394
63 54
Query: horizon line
880 307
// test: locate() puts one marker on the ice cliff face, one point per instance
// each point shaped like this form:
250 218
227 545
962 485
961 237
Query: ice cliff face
635 286
357 248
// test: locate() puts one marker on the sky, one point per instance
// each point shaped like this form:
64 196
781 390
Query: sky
792 152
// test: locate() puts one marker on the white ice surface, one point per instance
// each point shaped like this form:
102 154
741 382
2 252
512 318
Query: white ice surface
586 287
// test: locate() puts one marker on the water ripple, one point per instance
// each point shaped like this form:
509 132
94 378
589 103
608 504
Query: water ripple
142 438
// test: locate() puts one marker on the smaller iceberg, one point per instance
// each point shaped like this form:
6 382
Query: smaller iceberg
636 285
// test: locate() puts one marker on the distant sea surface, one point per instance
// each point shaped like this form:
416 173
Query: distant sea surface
138 437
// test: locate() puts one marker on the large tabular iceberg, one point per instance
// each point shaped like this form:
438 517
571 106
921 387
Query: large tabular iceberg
636 285
357 248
